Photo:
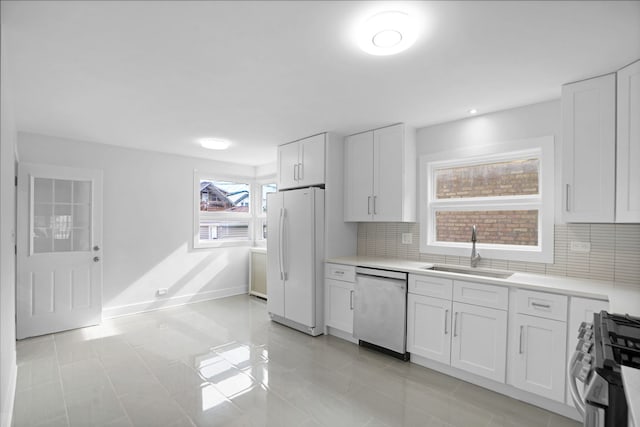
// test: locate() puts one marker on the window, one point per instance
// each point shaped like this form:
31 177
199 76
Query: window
223 211
261 232
507 193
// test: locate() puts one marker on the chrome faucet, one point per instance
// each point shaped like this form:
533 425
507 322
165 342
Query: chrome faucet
475 255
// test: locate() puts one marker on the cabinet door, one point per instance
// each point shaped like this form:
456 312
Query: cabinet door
339 301
628 145
537 356
358 177
589 145
288 165
429 327
311 168
479 341
388 170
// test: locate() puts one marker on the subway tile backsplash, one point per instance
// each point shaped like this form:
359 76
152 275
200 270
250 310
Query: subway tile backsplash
614 255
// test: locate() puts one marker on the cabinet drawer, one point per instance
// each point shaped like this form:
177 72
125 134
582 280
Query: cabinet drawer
346 273
431 286
541 304
481 294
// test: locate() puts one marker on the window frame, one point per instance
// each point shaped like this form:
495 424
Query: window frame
541 148
260 217
222 216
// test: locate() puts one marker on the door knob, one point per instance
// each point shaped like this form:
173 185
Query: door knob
96 258
96 248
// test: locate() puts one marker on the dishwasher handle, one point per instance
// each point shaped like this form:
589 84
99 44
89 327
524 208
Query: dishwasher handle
387 274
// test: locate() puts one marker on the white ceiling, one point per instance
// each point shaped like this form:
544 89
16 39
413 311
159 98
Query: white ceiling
159 75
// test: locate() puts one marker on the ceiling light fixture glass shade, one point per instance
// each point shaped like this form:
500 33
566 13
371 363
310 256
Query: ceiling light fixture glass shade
214 144
387 33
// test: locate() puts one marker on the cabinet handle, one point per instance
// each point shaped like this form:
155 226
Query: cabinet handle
537 304
520 345
340 272
566 201
351 300
455 324
369 205
446 317
300 171
295 172
374 205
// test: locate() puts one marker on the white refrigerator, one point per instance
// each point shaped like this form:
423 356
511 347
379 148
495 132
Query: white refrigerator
295 256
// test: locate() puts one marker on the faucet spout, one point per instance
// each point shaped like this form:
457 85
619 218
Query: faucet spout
475 255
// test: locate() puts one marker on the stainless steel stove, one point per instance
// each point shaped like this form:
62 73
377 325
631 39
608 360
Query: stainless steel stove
611 341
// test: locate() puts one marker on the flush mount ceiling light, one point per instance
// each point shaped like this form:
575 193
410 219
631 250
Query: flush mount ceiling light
214 143
387 33
473 111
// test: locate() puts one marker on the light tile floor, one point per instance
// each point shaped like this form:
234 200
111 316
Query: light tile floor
224 363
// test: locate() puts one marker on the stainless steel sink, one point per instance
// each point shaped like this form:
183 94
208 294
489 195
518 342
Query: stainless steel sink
471 271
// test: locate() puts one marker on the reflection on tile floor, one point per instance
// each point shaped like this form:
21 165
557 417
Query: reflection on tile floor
223 363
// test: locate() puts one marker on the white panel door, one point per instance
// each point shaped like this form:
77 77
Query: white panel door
479 342
59 283
299 256
589 146
275 280
339 300
538 356
628 145
387 173
358 177
288 165
311 168
429 327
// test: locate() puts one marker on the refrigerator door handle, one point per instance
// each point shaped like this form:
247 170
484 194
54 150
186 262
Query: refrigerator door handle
283 275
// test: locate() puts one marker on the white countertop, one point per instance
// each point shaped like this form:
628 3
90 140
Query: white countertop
631 383
622 298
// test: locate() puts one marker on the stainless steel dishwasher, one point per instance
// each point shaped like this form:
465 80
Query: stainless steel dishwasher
380 311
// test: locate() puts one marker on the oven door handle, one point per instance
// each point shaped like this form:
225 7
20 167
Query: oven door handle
575 393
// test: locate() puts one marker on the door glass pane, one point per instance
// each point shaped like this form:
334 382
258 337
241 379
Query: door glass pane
62 191
42 215
43 188
61 215
81 217
82 192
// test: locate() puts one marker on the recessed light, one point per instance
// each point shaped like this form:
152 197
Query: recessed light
214 143
387 33
473 111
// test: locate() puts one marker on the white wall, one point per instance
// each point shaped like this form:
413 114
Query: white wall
7 258
531 121
148 224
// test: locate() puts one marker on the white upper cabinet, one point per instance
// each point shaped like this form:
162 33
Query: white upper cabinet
588 138
380 175
601 145
302 163
628 145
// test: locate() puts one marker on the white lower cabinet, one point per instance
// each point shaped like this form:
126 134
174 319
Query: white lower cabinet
339 299
479 340
469 337
338 296
429 327
537 356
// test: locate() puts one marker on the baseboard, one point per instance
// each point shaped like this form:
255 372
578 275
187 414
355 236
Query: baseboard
341 334
162 303
506 389
8 400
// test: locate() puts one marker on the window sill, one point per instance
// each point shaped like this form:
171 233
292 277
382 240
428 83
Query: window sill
507 254
231 244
